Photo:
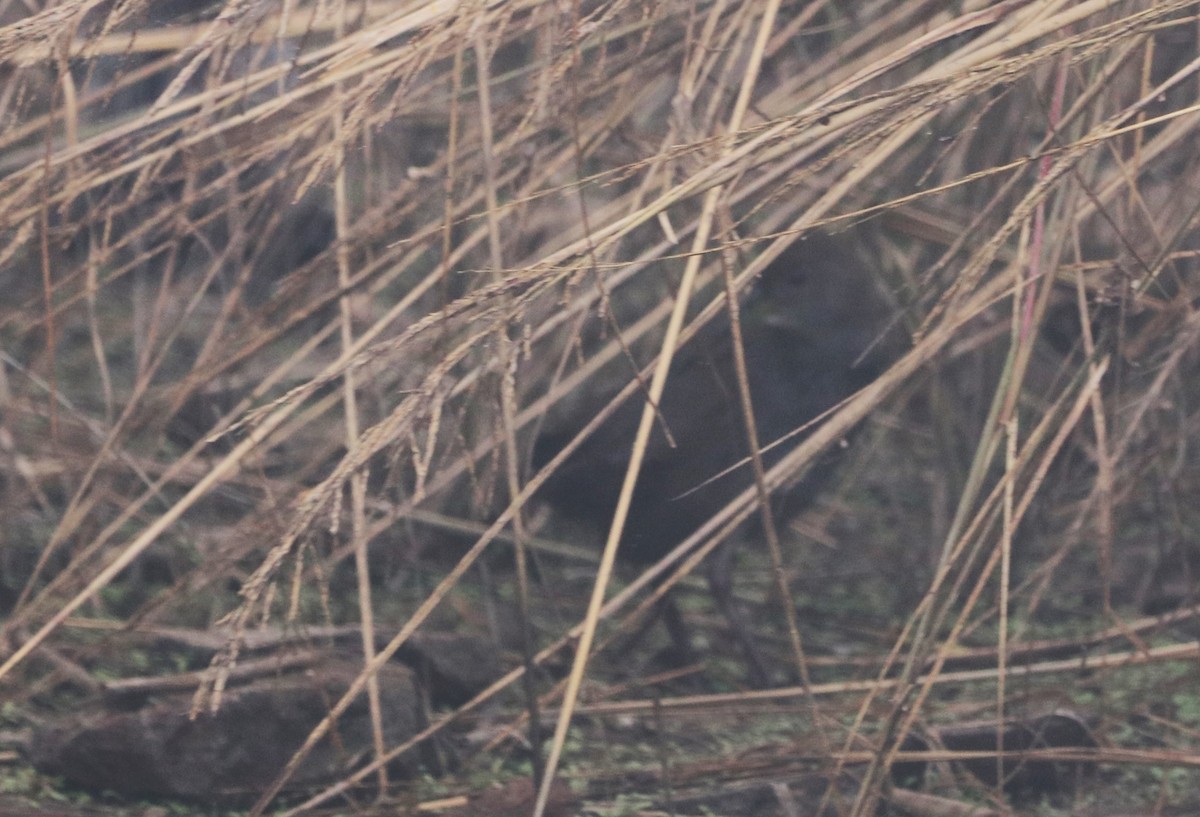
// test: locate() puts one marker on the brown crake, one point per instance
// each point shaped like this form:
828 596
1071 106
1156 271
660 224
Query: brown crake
813 332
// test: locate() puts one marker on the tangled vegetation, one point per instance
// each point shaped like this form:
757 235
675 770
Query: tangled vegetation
291 288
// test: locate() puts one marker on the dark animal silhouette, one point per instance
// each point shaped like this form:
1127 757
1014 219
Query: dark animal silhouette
809 328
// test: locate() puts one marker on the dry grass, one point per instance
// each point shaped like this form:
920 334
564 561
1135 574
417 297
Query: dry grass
283 279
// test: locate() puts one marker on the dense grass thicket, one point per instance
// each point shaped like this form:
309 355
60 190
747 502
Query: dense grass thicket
290 288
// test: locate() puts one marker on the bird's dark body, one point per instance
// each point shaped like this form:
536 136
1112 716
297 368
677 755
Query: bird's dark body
809 331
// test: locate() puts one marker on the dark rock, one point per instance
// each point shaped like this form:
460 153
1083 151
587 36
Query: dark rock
236 752
1061 729
13 806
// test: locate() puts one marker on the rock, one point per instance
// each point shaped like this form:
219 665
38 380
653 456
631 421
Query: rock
1061 729
236 752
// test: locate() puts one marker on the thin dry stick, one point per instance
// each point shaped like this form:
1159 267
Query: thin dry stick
1027 312
764 500
1006 537
510 355
358 482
